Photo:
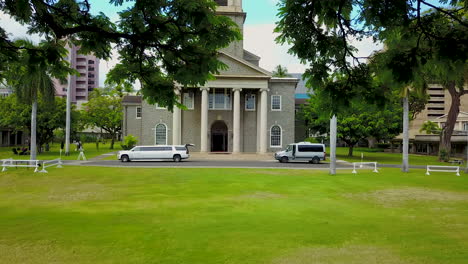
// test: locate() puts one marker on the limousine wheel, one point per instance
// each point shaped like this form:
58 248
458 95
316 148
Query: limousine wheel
284 159
125 158
177 158
315 160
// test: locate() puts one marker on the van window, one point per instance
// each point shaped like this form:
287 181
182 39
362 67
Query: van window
289 148
310 148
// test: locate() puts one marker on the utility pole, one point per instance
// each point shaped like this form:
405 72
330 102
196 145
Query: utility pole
68 115
405 165
333 131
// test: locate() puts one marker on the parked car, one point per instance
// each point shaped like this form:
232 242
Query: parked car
302 151
147 153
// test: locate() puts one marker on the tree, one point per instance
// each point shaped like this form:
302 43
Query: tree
430 128
320 34
30 76
428 59
104 112
281 72
160 43
50 117
357 118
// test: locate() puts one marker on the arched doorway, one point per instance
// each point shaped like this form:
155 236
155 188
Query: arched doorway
219 137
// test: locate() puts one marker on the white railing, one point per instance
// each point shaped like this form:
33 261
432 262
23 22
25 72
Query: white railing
11 163
361 165
437 168
50 163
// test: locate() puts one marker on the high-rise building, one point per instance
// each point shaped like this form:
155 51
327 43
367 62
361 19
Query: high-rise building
82 85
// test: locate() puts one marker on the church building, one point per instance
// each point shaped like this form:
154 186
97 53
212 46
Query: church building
244 109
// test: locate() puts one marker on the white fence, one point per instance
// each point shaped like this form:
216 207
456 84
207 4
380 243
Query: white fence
363 164
437 168
50 163
11 163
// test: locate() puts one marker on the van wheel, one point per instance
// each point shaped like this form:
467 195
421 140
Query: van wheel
177 158
125 158
284 159
315 160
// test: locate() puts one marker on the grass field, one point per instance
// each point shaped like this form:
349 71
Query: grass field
126 215
54 153
385 157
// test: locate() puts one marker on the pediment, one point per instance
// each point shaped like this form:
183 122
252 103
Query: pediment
239 67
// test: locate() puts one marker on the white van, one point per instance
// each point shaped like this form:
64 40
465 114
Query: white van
302 151
148 153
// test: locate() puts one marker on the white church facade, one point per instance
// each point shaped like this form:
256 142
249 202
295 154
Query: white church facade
244 109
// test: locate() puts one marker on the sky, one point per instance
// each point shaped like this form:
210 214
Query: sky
258 36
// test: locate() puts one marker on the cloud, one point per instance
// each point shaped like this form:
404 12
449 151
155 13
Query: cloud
260 40
16 30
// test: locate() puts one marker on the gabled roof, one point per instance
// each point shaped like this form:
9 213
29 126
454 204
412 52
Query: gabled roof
131 99
249 55
240 68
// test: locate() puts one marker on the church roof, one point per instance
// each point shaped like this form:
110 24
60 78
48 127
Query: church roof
239 67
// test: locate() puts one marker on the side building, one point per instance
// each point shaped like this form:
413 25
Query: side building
244 109
436 111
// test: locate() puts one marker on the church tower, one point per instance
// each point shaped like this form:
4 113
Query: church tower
233 10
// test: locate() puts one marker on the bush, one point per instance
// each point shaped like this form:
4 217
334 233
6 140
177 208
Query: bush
129 142
313 140
383 145
443 155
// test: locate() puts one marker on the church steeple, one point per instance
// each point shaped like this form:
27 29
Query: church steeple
233 10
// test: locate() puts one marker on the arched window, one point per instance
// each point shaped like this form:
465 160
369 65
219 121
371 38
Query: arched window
275 136
161 134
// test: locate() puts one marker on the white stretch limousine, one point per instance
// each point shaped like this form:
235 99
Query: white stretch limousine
148 153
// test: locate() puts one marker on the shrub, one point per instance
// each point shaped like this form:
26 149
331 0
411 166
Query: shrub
443 155
313 140
129 142
383 145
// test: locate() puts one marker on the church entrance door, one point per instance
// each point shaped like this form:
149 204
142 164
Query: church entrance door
219 137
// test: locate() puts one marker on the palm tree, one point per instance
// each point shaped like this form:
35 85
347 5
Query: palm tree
31 79
281 72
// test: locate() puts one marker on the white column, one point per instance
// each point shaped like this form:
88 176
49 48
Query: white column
176 118
263 120
204 120
258 107
333 132
236 123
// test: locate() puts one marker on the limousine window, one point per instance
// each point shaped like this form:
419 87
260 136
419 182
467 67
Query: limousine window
180 148
155 148
305 148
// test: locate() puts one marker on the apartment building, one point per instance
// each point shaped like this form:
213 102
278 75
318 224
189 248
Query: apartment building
82 85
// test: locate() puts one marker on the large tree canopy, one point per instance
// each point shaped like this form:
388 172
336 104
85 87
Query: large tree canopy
159 42
321 32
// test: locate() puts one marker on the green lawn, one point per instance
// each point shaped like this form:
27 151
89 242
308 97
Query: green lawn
235 216
385 157
54 153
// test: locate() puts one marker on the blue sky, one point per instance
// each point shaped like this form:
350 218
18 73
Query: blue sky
258 11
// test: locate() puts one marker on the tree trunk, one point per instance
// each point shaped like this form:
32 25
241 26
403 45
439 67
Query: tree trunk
112 142
350 150
447 130
33 151
405 164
